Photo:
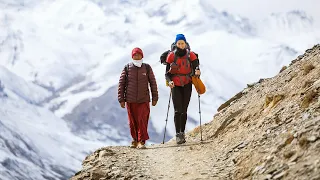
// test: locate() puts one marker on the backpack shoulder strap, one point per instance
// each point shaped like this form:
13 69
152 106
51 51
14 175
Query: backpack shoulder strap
188 55
148 69
126 68
175 58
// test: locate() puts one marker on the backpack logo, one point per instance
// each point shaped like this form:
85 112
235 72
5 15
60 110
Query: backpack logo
144 74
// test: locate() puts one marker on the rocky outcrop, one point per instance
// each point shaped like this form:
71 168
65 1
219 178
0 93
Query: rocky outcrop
270 130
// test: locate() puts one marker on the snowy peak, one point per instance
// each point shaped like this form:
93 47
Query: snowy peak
34 143
17 88
296 21
293 17
196 16
225 21
289 24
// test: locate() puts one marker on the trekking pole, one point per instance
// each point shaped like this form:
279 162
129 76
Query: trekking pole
200 116
199 108
165 127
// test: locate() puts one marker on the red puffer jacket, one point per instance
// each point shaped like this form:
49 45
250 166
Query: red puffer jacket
137 90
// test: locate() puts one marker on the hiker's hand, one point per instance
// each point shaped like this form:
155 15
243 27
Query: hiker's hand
171 84
122 104
154 103
197 73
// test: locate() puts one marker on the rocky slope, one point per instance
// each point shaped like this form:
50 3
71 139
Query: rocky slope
270 130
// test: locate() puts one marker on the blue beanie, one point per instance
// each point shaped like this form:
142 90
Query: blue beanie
180 37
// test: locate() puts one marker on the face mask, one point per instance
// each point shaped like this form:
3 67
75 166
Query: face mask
137 63
181 52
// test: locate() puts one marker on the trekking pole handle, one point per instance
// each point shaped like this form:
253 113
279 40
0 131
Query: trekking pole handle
197 68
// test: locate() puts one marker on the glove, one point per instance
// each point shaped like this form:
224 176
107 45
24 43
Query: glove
122 104
171 84
154 103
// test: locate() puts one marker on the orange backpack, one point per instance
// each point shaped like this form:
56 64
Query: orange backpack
198 84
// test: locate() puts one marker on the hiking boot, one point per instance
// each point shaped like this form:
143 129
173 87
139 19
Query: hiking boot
183 137
179 138
134 144
141 145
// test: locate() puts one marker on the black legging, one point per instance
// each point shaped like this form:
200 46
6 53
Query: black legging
181 97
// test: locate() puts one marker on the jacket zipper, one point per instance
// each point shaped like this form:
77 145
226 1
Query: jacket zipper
137 84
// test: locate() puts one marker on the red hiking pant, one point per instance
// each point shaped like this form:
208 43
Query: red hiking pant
138 114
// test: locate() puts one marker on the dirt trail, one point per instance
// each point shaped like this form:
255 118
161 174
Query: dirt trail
192 160
188 161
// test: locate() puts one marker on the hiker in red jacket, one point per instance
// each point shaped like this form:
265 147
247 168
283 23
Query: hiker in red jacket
181 65
133 91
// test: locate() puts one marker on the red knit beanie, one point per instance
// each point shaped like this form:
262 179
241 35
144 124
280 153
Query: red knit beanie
136 50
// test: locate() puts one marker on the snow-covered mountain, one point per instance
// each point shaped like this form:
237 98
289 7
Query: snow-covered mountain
34 143
62 60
